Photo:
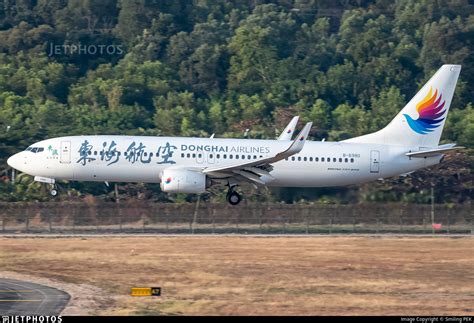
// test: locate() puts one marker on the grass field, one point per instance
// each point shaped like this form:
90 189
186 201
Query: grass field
258 275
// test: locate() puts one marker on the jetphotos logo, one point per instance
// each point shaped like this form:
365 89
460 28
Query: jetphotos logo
430 113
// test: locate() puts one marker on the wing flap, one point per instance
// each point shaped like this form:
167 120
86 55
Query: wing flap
249 176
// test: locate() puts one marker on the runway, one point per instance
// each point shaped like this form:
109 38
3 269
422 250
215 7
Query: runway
24 298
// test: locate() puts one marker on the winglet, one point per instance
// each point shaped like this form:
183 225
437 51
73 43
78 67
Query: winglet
290 128
299 141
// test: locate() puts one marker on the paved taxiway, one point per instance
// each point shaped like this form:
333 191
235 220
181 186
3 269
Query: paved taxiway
24 298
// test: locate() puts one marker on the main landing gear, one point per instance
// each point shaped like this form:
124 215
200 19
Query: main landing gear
233 197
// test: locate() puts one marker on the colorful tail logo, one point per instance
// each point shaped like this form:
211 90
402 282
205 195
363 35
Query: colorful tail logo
168 180
430 114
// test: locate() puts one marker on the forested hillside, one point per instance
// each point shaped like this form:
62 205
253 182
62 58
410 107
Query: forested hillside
193 68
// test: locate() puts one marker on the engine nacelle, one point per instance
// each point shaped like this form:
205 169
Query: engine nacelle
183 181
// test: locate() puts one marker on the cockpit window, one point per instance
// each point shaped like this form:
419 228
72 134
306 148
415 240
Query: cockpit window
35 149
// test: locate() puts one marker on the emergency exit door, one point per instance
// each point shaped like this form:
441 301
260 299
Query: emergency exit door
374 161
65 157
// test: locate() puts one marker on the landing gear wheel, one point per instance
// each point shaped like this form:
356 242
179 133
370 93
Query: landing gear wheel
54 191
234 198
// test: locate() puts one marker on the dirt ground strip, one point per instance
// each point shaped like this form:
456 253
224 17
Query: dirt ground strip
223 275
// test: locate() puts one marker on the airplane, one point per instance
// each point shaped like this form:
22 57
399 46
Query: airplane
192 165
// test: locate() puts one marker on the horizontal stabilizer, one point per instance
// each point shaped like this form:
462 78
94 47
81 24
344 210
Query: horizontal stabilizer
433 152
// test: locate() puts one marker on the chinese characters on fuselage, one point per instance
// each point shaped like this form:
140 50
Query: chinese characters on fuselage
135 153
138 152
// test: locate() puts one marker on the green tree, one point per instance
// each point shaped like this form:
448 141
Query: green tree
448 42
385 107
321 116
252 66
349 122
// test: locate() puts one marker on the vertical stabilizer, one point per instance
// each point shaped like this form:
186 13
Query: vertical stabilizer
421 121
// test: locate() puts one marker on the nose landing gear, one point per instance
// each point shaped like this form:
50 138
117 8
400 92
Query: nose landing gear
233 197
54 190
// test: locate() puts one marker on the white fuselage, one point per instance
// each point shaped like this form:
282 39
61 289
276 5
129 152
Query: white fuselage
143 159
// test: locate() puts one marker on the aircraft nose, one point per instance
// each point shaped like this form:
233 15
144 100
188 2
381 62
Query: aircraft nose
14 161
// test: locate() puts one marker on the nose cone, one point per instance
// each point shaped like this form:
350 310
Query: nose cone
14 161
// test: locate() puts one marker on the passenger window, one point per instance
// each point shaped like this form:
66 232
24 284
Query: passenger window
200 155
218 156
210 155
225 156
346 160
95 152
305 159
352 160
293 158
316 159
188 155
249 157
231 156
194 155
328 159
182 155
334 159
236 156
340 160
243 156
322 159
254 156
310 158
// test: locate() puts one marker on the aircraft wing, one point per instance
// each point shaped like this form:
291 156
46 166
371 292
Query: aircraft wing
258 170
433 152
290 128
